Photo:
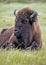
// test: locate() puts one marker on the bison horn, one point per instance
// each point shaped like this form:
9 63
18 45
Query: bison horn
33 14
15 12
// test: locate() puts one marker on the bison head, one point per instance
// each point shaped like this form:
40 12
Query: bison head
23 23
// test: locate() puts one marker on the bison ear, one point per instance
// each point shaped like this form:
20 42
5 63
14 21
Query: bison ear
15 12
33 15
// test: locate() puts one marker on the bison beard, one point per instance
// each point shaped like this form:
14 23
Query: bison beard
27 33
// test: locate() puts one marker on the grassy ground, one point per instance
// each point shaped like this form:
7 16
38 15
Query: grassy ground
21 57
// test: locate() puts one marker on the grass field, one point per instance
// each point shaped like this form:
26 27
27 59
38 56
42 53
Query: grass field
21 57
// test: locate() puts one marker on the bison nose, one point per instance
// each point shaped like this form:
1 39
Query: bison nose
17 32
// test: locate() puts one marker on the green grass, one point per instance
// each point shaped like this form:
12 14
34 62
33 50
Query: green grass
21 57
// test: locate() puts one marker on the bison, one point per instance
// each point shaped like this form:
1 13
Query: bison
27 32
27 29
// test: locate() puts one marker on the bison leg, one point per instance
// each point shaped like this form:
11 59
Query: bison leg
37 43
12 42
35 46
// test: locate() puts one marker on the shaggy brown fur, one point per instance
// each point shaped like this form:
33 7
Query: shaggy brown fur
28 29
5 36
